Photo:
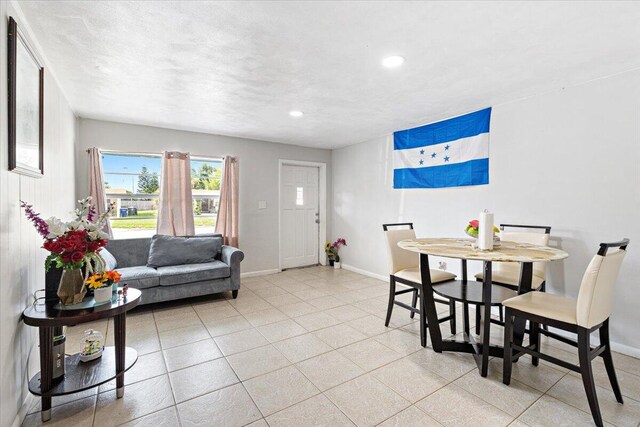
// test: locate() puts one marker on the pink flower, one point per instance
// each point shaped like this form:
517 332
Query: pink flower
91 214
41 226
339 243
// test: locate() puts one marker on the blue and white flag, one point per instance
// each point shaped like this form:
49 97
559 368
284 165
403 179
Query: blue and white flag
450 153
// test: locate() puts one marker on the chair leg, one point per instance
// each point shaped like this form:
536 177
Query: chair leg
508 339
423 318
584 350
534 338
543 288
414 301
608 360
501 313
465 318
478 308
452 313
392 297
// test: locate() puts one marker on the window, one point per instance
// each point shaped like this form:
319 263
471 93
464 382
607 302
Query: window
299 196
206 175
132 182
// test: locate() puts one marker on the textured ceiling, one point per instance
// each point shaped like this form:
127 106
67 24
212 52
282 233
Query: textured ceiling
238 68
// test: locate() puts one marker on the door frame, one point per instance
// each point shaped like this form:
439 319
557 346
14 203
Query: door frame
322 205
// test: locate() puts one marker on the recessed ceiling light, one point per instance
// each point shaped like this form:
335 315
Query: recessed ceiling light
296 113
393 61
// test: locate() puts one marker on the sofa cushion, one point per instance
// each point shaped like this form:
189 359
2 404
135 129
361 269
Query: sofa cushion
173 250
189 273
109 260
130 252
140 277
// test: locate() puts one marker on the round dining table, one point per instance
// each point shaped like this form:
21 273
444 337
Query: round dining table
485 294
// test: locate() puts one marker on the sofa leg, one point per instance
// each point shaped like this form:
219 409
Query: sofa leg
234 294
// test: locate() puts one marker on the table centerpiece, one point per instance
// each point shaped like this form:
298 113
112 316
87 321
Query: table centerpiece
472 231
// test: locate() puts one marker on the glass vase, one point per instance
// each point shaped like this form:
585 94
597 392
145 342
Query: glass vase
71 289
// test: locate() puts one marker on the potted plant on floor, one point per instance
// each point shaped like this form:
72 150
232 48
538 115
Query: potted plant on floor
328 249
340 242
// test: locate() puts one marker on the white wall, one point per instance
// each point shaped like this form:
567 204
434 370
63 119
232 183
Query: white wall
258 174
569 159
21 259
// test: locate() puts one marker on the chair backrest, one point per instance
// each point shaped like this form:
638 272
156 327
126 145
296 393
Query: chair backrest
399 259
533 238
595 298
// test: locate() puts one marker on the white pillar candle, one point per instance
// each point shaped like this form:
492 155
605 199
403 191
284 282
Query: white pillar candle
485 231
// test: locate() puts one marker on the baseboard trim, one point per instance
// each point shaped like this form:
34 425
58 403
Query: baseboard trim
595 341
626 350
259 273
615 346
365 272
28 402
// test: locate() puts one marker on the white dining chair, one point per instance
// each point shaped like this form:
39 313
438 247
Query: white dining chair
404 268
508 273
589 313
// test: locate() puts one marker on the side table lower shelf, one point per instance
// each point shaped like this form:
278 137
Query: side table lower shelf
80 376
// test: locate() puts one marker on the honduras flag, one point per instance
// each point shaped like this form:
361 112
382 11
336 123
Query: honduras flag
450 153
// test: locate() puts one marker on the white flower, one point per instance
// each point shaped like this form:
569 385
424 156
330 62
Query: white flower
56 227
98 235
76 225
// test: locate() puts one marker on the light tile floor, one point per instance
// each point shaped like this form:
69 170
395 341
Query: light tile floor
309 347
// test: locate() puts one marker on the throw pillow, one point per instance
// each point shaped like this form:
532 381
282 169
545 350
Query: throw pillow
180 250
109 259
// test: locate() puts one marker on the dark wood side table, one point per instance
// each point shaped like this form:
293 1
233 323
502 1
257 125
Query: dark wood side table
80 376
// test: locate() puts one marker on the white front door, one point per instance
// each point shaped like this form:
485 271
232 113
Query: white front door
299 216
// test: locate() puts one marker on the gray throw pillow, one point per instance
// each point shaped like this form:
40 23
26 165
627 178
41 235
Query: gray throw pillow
174 250
109 259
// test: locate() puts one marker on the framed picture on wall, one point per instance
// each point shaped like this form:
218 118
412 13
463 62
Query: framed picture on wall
26 105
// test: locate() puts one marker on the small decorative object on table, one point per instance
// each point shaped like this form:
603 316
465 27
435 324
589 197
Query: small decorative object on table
334 249
123 292
102 285
472 231
92 346
73 246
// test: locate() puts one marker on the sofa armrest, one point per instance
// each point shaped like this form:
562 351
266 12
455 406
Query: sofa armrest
232 257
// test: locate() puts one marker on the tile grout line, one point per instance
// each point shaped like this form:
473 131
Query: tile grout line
575 407
540 397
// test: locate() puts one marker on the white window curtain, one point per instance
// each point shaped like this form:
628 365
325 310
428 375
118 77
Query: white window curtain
227 221
96 186
175 207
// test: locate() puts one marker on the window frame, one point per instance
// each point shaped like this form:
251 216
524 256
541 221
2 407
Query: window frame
198 158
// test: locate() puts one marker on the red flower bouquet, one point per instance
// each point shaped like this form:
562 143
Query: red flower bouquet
74 244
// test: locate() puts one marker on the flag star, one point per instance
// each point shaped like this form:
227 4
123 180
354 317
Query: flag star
446 158
446 147
433 155
421 162
421 152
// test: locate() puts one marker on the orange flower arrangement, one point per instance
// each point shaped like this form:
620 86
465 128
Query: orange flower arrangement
100 280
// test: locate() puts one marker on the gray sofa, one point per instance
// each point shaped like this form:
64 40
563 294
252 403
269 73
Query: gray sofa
130 258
